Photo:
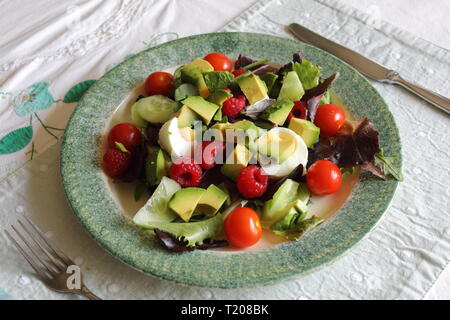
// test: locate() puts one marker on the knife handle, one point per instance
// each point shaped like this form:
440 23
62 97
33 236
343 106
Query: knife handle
435 99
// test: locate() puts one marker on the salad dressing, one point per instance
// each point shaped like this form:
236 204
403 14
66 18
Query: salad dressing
123 193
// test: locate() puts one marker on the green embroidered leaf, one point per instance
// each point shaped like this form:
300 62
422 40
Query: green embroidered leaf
77 91
16 140
34 98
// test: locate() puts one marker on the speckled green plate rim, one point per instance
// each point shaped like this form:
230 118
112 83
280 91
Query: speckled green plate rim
95 208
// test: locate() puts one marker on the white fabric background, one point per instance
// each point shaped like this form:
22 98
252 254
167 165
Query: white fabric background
42 47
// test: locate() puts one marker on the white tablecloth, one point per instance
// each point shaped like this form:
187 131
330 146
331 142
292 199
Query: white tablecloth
49 48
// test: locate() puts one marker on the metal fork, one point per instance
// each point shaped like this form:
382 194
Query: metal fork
50 263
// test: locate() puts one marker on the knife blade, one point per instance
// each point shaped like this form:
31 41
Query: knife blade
366 66
359 62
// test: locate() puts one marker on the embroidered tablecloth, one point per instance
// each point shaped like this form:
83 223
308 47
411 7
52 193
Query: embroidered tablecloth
47 64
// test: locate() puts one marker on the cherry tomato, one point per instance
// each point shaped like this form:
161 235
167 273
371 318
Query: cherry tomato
323 177
243 227
219 61
298 111
329 118
126 134
159 83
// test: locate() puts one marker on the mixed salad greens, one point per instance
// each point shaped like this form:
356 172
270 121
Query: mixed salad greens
226 149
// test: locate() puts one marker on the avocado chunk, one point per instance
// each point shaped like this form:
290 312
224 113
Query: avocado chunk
155 165
185 201
307 130
205 109
219 96
236 161
278 112
277 207
269 78
187 117
279 145
292 87
218 116
211 201
229 132
253 88
193 73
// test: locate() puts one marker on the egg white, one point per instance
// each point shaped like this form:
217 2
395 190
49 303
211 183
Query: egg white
178 142
299 157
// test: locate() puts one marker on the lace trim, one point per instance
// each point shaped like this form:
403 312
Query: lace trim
113 28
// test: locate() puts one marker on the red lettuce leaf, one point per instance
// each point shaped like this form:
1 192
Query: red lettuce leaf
242 61
297 57
352 146
313 96
260 69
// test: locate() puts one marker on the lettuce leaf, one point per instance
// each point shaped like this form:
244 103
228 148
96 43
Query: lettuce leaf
177 77
184 91
243 61
308 73
258 67
193 233
313 96
355 145
295 230
218 80
157 207
387 167
173 244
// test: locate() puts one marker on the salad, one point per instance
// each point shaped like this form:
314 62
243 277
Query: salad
224 148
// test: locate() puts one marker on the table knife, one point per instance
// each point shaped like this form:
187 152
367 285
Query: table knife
366 66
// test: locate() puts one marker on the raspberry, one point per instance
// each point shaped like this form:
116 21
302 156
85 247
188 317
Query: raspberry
298 111
116 162
252 182
186 172
233 106
210 151
237 73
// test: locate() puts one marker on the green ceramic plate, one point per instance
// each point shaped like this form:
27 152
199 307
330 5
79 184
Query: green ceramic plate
93 204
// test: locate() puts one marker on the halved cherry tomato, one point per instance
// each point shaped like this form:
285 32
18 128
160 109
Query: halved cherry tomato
159 83
219 61
323 177
126 134
243 227
329 118
298 111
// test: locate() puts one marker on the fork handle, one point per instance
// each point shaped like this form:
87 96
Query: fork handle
88 294
435 99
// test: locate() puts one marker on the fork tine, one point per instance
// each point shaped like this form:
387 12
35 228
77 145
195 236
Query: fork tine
32 263
57 263
61 255
49 268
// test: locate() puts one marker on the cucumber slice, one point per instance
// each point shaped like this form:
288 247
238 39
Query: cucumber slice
155 109
136 119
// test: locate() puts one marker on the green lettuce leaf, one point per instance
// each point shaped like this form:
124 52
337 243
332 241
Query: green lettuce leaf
386 164
184 91
218 80
177 78
308 72
194 233
157 207
295 230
